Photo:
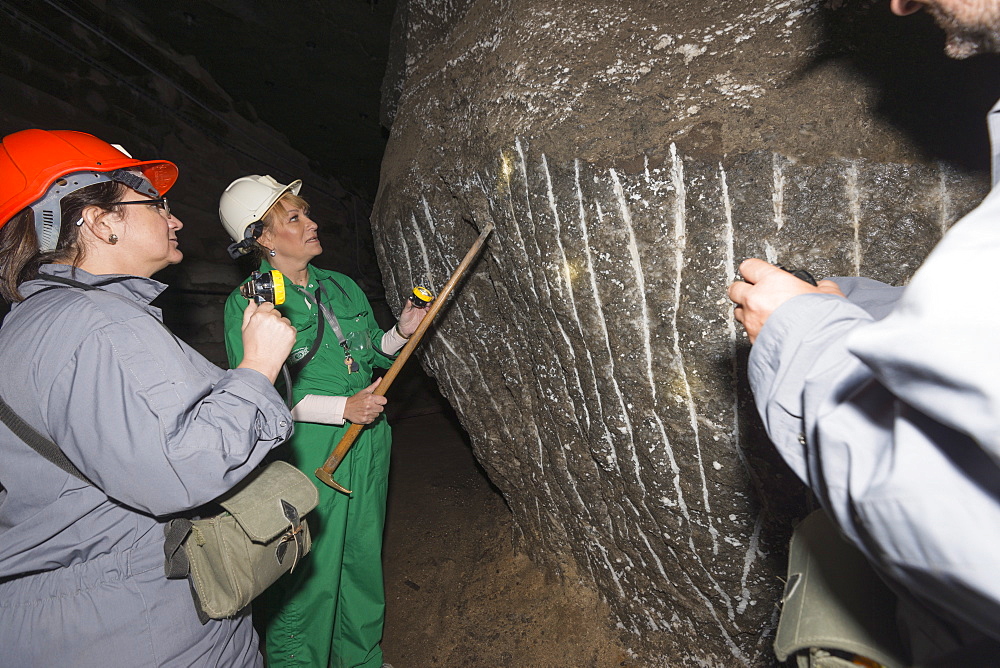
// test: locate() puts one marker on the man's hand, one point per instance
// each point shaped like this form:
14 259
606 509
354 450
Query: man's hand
764 288
364 407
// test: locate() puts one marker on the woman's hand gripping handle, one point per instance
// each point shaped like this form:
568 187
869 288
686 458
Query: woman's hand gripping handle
268 337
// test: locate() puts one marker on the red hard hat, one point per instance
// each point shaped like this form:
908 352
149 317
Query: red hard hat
31 160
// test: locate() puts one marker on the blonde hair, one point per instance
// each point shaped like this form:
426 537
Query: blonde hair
276 213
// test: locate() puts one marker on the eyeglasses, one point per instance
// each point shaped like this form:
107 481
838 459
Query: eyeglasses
160 204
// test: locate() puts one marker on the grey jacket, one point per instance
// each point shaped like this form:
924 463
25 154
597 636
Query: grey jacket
159 430
890 412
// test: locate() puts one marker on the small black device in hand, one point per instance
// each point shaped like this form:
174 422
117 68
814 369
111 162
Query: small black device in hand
800 274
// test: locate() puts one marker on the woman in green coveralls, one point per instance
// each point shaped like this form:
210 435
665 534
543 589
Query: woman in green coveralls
330 611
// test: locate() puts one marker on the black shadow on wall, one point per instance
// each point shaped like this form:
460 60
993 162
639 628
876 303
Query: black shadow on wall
938 102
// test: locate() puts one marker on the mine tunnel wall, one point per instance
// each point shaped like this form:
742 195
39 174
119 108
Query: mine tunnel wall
594 359
629 158
629 155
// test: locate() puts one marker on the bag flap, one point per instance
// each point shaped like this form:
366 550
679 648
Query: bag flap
834 600
256 503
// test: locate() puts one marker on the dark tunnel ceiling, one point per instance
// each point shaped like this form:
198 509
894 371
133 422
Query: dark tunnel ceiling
312 69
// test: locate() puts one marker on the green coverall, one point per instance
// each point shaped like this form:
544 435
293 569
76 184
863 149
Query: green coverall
331 610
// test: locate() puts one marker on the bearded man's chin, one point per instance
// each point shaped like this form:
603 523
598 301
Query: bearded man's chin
961 48
964 45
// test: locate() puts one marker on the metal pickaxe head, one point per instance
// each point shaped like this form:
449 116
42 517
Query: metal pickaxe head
327 478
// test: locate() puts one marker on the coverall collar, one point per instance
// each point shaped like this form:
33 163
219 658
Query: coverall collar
266 266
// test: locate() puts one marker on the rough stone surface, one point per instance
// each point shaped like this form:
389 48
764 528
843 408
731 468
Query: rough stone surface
630 154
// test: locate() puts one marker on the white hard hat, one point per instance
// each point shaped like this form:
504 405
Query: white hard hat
245 202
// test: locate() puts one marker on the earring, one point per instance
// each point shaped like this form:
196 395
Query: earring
113 239
271 253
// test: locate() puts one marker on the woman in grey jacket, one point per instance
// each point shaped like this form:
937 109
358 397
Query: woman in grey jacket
152 424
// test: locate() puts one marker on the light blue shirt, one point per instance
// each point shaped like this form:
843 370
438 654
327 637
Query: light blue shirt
894 421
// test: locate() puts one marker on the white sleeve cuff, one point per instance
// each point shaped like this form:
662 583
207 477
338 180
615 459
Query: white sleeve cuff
392 342
320 408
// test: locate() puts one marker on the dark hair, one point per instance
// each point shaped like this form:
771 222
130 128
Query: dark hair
19 254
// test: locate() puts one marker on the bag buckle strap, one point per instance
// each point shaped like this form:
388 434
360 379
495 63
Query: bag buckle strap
294 536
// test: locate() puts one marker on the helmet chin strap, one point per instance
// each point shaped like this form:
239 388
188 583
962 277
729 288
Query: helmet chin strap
249 241
238 250
48 210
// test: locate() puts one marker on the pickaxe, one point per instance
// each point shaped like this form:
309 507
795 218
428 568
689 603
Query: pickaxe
325 472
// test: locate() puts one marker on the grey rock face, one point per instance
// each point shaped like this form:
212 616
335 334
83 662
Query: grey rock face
630 156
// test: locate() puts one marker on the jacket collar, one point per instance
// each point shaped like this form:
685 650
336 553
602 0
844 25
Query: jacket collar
138 288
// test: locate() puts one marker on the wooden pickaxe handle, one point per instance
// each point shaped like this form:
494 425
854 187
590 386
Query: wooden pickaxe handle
325 472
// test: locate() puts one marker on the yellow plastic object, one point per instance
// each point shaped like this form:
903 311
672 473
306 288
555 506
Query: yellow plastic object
421 296
279 287
261 287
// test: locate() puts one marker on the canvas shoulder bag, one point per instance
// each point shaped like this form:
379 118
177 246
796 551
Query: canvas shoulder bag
230 557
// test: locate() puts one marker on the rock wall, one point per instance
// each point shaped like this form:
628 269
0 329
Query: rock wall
630 155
